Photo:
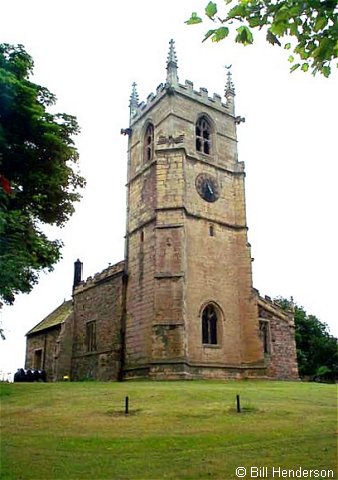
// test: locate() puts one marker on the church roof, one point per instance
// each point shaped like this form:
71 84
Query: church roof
58 316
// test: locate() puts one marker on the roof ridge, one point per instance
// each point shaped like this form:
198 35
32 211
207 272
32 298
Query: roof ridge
56 317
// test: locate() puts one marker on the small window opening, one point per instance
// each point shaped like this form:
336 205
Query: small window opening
91 336
209 325
38 359
211 231
149 143
142 236
203 136
264 335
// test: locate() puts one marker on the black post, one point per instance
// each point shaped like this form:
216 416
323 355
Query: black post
126 409
238 404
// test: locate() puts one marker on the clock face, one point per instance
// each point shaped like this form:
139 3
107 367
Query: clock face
207 187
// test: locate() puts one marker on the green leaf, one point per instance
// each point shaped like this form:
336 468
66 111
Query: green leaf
294 67
335 49
282 13
326 71
300 49
279 28
291 58
238 11
211 10
208 34
320 23
324 49
271 38
254 22
194 19
244 35
305 67
287 46
220 34
293 28
294 11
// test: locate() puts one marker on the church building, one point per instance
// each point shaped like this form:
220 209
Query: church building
181 305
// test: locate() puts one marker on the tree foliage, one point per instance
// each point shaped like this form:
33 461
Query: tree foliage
39 182
310 27
317 352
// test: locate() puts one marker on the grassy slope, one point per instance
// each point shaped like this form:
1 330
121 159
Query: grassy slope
176 430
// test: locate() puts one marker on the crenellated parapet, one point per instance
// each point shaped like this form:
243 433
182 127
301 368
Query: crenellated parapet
275 309
106 274
187 90
173 87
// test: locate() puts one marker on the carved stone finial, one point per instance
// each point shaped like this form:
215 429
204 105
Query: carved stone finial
172 78
230 91
172 57
230 87
133 103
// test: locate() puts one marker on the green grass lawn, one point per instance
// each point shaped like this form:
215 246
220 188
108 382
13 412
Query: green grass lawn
175 430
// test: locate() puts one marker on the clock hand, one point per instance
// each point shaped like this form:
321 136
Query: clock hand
210 188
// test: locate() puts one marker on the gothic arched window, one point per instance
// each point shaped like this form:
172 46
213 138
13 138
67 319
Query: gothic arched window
203 135
209 325
149 143
264 335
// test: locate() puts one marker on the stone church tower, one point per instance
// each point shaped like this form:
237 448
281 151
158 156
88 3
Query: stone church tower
190 302
181 304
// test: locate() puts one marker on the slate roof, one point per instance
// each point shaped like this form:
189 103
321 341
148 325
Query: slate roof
58 316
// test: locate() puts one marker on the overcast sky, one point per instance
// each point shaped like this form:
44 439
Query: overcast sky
88 54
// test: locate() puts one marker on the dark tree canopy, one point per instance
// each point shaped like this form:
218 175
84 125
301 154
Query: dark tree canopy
317 352
310 27
39 182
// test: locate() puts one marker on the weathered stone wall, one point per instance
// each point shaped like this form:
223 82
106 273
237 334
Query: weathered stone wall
98 299
214 275
281 360
64 349
178 262
140 299
45 341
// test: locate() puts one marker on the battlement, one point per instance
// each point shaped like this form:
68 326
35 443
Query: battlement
275 308
187 90
111 271
173 87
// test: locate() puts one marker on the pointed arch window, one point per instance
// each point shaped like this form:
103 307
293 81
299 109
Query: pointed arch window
209 325
264 334
203 135
91 336
149 143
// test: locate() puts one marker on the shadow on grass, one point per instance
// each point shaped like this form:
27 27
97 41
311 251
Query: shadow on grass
121 413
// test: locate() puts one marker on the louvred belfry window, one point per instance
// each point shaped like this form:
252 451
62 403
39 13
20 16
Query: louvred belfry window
203 136
149 143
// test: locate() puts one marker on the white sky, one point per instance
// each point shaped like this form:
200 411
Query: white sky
88 54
